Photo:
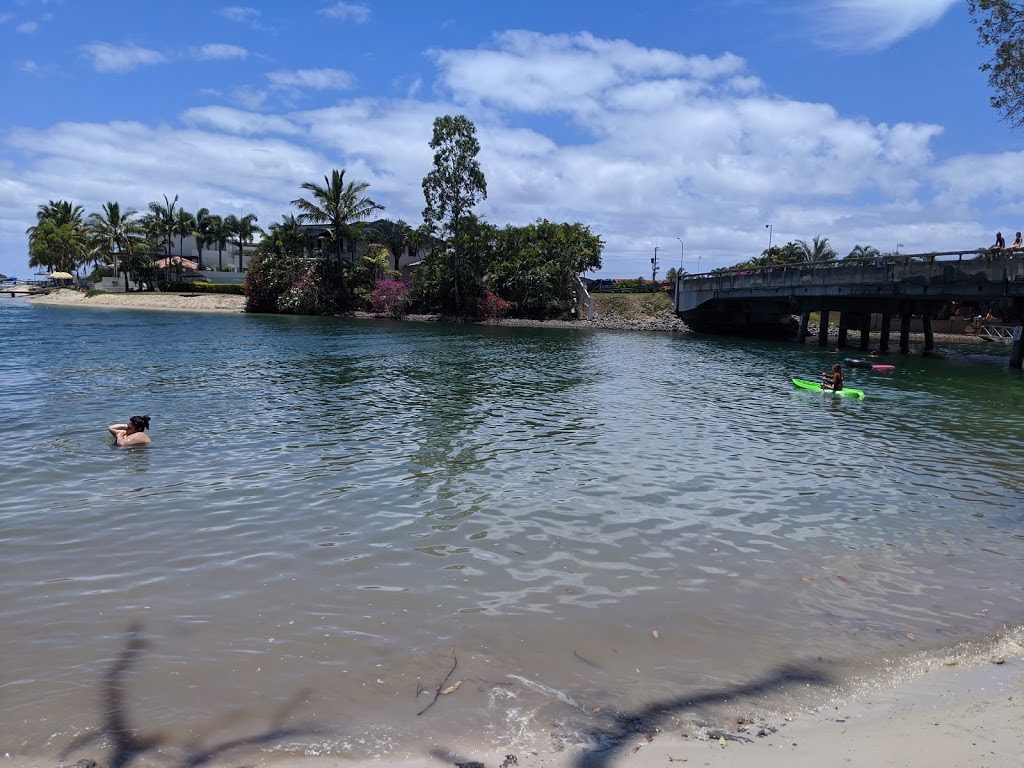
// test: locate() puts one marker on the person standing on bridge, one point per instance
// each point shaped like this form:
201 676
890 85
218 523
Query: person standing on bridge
1016 243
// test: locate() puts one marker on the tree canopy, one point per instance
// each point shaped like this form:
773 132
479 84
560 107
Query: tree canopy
1000 26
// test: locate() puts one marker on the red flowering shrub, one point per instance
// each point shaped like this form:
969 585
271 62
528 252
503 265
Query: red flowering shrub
390 297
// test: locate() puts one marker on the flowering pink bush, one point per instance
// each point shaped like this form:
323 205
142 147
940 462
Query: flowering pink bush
390 297
493 306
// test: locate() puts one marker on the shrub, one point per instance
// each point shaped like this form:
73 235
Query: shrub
493 307
390 297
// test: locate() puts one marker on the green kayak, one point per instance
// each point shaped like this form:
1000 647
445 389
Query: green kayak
816 387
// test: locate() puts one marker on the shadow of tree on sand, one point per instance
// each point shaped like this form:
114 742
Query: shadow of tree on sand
125 743
620 727
624 725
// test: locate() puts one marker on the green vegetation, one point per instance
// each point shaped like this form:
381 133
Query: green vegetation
1000 26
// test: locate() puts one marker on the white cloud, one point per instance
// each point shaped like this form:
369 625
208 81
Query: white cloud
27 27
5 17
875 24
248 98
317 79
239 122
218 51
120 58
346 11
240 14
660 145
532 72
28 66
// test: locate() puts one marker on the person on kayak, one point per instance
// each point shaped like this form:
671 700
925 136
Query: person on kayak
835 381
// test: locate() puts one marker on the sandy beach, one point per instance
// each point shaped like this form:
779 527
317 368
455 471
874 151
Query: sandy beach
207 302
951 716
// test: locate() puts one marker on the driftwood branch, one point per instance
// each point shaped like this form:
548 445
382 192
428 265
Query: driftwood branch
440 686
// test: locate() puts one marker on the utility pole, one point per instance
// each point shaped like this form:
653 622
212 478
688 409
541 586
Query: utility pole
654 268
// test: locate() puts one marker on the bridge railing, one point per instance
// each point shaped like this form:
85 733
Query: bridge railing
981 265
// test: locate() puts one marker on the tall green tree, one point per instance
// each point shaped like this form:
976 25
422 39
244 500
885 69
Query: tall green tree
243 230
537 267
58 212
201 232
163 222
455 184
219 234
1000 26
184 226
337 204
58 247
113 232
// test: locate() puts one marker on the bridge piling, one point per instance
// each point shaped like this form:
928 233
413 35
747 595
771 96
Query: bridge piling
905 331
1017 350
883 341
801 333
865 330
844 323
823 327
929 336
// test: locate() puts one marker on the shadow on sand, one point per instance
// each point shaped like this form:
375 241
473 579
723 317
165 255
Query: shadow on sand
619 728
125 742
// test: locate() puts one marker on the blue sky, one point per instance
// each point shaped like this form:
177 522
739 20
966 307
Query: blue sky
863 121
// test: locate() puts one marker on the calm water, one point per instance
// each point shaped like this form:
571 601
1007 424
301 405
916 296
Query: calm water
335 513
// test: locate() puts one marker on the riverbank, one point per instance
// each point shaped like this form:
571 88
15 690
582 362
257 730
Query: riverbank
956 717
617 312
625 313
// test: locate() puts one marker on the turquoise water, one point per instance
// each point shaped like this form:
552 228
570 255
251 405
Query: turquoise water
335 513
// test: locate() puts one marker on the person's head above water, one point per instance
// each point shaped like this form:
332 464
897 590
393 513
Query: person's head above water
138 423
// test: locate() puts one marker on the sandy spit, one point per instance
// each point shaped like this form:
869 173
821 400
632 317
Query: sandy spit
205 302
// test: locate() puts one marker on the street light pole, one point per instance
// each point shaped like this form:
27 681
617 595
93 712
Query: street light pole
898 246
654 266
681 248
768 259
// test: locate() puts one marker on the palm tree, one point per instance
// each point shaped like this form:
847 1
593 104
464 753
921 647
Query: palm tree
244 231
862 253
336 204
163 223
820 250
184 225
201 232
395 235
112 232
218 235
60 212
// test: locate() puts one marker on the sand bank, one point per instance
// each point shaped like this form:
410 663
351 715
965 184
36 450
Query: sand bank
204 302
955 717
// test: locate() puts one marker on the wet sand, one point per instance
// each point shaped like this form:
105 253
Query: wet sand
954 717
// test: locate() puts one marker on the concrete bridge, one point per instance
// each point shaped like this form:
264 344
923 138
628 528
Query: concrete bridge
767 300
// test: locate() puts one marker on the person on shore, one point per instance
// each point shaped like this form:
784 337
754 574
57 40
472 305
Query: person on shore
1016 245
833 381
132 434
